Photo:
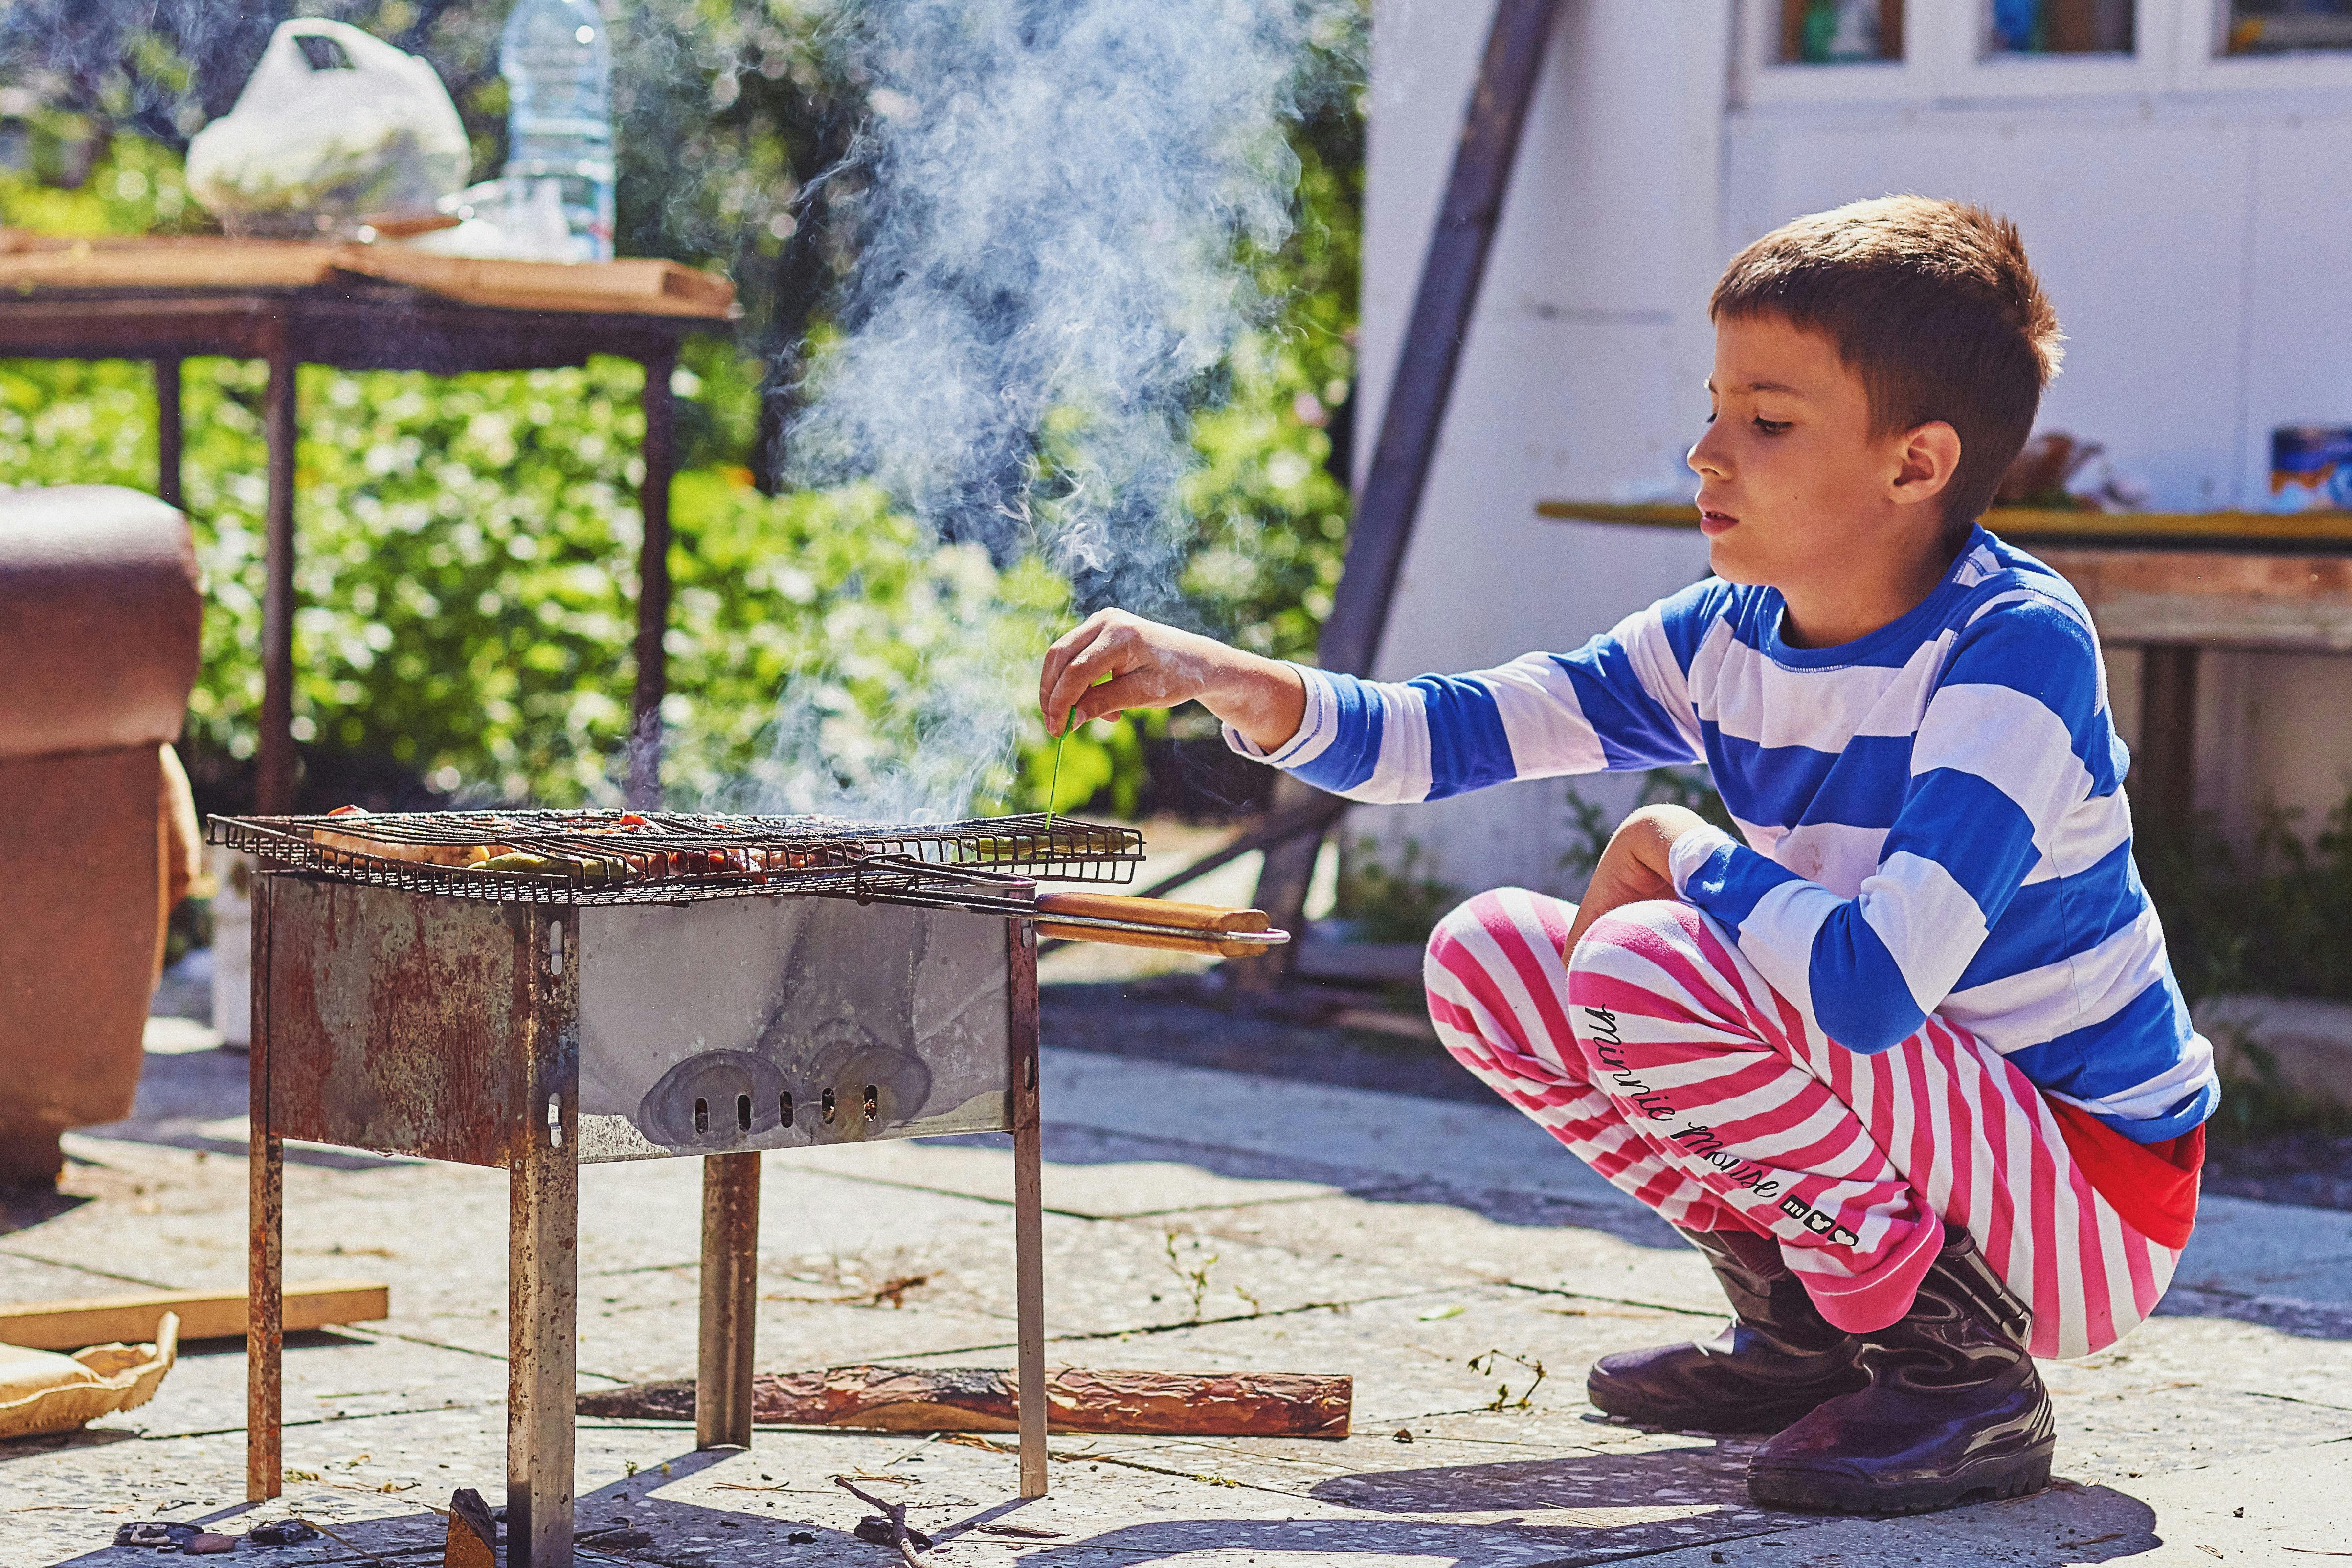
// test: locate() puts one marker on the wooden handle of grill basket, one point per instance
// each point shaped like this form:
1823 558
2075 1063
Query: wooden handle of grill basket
1183 927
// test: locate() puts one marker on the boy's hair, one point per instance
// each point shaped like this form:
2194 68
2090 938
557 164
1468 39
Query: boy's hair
1932 304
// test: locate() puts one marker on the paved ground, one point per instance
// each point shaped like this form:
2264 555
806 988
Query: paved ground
1200 1218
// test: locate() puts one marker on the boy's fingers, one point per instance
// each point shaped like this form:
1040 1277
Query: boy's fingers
1114 698
1057 657
1089 665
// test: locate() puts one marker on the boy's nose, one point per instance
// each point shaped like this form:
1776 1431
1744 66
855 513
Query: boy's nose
1705 459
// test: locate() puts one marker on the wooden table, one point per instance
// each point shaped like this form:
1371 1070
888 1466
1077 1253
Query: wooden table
2169 583
365 307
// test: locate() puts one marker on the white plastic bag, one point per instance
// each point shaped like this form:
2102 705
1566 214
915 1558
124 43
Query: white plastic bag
380 137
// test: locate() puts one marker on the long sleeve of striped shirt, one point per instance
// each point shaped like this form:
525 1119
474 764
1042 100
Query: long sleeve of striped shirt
1933 815
1617 702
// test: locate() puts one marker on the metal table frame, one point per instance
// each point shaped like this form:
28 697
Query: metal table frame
367 325
527 1120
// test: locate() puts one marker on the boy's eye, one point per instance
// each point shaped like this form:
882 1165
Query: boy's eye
1773 426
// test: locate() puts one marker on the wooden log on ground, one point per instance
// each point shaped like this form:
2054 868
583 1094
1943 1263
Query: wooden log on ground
70 1325
472 1541
983 1399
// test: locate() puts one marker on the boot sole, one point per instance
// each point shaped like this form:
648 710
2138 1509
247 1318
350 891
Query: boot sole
1846 1492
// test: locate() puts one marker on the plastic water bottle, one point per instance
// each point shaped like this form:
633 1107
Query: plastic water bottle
559 68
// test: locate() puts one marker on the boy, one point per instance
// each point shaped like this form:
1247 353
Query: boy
1908 1066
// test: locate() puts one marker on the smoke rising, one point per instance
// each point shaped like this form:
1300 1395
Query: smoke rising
1061 195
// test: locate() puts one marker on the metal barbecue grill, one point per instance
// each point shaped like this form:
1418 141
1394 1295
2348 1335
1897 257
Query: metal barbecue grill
534 990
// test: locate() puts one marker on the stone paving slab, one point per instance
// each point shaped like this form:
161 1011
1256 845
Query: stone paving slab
1435 1251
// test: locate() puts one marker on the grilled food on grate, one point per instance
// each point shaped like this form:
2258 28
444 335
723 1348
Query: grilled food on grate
555 856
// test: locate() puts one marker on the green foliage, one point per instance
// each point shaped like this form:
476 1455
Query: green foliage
467 569
138 188
1391 903
1686 788
1274 521
2272 920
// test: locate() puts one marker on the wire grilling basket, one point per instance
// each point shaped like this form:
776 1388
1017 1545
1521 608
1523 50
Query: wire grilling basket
622 857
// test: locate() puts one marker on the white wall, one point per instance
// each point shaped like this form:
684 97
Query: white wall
2192 222
1581 375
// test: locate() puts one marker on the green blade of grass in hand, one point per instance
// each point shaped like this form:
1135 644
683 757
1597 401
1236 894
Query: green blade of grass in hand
1054 788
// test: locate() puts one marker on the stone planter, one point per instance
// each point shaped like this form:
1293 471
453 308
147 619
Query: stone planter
2310 1042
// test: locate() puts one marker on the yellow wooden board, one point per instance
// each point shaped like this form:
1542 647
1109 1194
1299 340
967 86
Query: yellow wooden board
632 287
2021 523
214 264
204 1314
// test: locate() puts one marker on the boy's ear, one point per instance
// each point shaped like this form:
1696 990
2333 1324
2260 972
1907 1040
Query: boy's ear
1930 456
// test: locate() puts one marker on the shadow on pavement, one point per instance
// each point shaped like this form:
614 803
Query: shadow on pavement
185 1097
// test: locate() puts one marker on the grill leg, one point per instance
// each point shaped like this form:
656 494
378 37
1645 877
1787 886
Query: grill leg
730 1275
1028 1212
265 1293
542 1317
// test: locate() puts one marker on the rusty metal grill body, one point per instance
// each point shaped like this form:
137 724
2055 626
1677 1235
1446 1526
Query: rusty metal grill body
817 983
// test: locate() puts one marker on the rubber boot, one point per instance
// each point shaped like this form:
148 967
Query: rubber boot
1954 1411
1777 1360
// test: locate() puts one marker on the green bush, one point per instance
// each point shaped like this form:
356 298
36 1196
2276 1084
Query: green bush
468 572
2276 917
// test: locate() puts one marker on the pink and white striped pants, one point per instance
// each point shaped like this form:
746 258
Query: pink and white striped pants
1661 1057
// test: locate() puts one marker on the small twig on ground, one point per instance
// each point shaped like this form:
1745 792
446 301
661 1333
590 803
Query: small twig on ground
895 1512
1195 1280
1503 1400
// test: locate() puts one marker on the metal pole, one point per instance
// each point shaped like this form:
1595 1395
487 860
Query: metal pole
1028 1211
542 1268
170 433
1451 273
275 791
730 1297
265 1291
660 459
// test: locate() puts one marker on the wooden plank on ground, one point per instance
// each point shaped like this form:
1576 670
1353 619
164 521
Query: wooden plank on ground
983 1399
204 1314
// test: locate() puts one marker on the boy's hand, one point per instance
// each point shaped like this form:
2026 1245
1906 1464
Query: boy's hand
1634 866
1153 666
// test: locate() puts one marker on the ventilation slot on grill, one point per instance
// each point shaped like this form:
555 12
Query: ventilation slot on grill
702 1116
743 1112
785 1109
873 1102
826 1106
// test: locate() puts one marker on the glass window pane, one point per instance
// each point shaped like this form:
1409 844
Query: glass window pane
1840 32
2060 27
2279 27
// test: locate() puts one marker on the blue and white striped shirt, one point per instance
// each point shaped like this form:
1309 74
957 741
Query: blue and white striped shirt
1935 813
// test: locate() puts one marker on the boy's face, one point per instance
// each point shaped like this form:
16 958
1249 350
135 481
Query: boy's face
1794 486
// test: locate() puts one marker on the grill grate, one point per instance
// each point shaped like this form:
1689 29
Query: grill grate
616 857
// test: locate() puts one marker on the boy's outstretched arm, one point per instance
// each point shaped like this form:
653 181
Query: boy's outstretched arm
1621 701
1151 666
